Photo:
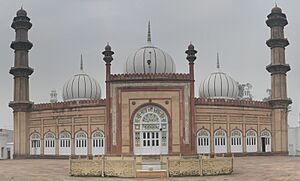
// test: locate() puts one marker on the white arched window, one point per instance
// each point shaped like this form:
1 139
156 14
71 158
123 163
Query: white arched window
49 144
65 143
35 144
236 141
251 141
220 141
98 143
266 141
203 141
81 143
150 131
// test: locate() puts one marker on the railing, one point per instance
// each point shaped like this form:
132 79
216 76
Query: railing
139 166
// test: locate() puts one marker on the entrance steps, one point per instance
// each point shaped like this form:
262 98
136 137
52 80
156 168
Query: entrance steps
150 166
151 174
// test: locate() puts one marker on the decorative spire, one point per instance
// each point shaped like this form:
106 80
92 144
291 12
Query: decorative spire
81 63
218 61
149 33
191 53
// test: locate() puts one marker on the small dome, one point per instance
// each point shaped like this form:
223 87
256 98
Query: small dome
276 9
81 87
219 85
149 59
21 12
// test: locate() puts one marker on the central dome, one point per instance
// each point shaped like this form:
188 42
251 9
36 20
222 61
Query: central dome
219 85
149 59
81 87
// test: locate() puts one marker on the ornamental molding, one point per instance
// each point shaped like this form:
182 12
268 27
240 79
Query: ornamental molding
69 104
231 102
150 76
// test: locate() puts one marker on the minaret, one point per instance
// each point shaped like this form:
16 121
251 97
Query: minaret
21 71
108 134
191 57
278 69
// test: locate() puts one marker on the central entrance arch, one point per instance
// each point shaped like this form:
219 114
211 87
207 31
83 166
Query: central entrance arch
150 131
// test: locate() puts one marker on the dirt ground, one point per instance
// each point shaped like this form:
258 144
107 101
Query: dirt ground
257 168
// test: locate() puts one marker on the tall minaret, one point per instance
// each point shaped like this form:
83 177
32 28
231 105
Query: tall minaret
21 103
190 137
108 129
278 69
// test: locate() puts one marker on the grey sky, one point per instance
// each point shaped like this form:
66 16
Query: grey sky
62 30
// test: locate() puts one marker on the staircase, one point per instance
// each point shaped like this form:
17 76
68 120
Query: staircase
151 167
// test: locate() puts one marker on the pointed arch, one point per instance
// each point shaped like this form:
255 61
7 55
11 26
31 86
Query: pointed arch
49 143
236 141
251 141
98 142
35 143
65 143
220 141
81 143
203 141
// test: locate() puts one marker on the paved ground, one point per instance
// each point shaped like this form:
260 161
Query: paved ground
266 168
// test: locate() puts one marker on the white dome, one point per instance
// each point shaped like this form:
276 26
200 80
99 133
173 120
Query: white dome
81 87
149 59
219 85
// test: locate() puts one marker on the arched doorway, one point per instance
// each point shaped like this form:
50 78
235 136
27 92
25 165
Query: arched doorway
220 141
98 143
236 141
49 143
81 143
203 142
251 141
265 141
65 143
35 144
150 131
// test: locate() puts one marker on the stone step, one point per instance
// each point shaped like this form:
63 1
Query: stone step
151 174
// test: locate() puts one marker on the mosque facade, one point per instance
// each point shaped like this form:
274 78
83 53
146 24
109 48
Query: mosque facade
150 109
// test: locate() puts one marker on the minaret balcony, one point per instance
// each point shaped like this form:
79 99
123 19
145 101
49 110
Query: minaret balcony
278 68
277 42
21 24
21 45
20 106
276 21
280 103
21 71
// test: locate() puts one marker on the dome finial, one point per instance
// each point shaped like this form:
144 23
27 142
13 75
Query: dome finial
149 33
218 61
81 62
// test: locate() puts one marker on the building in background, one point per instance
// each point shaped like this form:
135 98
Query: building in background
6 144
294 140
150 109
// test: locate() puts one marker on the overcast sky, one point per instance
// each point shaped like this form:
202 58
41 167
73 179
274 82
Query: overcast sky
64 29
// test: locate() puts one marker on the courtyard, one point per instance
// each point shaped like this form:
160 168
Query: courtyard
245 168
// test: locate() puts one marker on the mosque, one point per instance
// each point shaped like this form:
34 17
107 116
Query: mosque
150 109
